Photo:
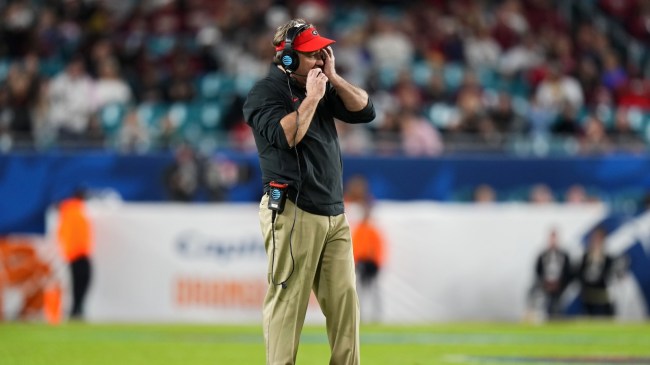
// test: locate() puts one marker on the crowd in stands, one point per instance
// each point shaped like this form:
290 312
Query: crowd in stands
445 75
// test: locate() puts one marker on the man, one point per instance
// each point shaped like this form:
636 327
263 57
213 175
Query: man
369 257
306 234
553 274
595 273
75 238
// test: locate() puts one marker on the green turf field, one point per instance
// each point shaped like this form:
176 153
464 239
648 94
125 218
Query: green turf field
121 344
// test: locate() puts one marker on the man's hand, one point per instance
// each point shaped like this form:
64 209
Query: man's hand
316 83
329 63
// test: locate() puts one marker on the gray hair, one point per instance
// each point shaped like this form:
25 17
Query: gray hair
281 34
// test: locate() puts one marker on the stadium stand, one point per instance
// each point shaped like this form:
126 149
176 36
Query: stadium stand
479 73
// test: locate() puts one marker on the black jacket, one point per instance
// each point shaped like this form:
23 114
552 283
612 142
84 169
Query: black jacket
318 183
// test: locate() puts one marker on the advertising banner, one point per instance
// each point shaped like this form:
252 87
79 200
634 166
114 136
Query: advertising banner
206 262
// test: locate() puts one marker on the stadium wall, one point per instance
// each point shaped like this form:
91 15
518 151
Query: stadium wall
446 262
30 183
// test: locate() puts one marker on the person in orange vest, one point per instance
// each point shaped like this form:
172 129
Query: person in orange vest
369 256
75 239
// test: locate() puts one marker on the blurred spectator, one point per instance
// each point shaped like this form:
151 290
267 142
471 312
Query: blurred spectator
540 120
180 86
595 139
543 14
510 23
636 94
22 90
387 137
504 117
351 61
43 129
220 174
389 48
621 10
540 194
435 89
183 178
110 88
567 123
75 237
561 50
521 57
594 274
357 190
133 136
588 76
164 50
369 258
614 76
368 245
576 194
637 23
469 99
623 136
419 136
70 109
553 274
354 139
558 89
407 94
481 50
17 20
48 34
484 193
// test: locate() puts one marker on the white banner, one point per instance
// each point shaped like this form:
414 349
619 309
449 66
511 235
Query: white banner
206 263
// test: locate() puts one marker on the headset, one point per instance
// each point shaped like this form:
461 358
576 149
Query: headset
289 58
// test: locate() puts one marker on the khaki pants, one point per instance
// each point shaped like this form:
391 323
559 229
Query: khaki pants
322 256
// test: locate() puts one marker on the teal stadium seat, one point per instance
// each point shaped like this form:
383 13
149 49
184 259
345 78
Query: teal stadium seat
521 105
111 117
160 46
186 118
646 127
453 75
387 77
243 84
442 115
210 85
637 119
215 86
51 66
211 114
421 73
150 115
487 77
4 68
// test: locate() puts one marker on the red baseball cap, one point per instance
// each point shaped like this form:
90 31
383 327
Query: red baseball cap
308 41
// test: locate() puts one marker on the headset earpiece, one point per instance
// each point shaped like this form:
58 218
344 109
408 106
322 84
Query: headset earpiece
289 58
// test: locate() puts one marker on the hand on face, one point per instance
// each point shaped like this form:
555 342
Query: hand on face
328 61
316 83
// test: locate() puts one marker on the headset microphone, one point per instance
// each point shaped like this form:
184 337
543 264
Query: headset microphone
289 58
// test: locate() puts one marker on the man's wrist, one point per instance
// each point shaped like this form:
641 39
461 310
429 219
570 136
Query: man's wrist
311 99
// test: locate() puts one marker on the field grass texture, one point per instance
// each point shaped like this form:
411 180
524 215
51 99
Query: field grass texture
574 342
